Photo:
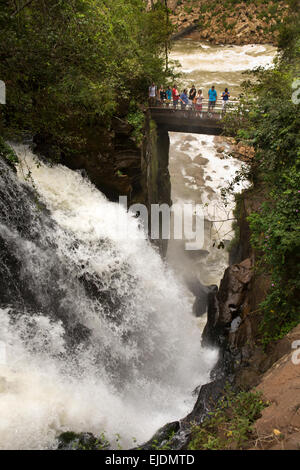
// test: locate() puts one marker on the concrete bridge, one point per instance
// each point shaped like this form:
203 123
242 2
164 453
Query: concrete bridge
188 120
155 156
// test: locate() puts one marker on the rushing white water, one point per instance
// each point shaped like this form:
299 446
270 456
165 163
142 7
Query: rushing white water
198 172
222 58
205 64
142 357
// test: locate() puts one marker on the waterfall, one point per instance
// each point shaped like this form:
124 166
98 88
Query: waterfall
96 333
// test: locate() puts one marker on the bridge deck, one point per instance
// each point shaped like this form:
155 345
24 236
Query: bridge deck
187 119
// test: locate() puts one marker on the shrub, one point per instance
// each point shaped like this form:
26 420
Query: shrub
229 426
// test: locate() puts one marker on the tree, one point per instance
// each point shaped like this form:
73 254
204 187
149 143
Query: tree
68 65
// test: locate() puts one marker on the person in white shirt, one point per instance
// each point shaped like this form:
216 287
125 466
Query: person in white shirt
199 101
152 94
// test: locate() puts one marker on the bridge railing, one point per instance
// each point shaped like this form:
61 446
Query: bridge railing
218 107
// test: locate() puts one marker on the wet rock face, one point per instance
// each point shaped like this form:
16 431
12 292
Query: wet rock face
233 325
110 158
155 176
177 435
204 295
227 309
233 291
163 436
82 441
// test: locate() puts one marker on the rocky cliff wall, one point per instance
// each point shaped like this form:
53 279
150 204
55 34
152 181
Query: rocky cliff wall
110 157
155 170
228 22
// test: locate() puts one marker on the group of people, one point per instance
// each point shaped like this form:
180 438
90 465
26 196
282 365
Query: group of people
193 98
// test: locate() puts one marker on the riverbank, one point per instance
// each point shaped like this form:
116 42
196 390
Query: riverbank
230 23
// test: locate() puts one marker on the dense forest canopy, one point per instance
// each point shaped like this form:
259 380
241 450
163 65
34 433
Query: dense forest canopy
77 61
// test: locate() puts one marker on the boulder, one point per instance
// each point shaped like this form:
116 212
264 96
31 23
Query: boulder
82 441
228 302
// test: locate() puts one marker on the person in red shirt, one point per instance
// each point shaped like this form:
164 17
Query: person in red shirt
175 96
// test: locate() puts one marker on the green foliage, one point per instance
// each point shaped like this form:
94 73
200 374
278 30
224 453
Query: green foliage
229 426
69 66
269 119
289 41
70 440
137 119
83 441
276 235
166 445
7 152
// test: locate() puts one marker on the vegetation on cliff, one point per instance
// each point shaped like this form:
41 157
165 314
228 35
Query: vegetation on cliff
272 127
231 21
7 153
69 66
230 425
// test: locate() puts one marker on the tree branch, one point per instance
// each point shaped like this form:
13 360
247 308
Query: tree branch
21 8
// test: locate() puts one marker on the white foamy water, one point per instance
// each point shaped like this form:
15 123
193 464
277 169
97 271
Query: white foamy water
143 358
221 59
198 173
205 64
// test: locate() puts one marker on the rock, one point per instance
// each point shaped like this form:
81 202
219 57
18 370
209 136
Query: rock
231 20
121 127
207 398
280 386
162 436
204 295
83 441
228 302
172 4
244 20
99 156
200 160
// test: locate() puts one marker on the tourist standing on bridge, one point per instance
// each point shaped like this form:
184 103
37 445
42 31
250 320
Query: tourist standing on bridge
162 94
225 98
192 95
184 99
152 94
168 95
175 96
212 98
199 100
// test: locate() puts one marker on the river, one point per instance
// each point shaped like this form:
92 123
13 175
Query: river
96 332
198 171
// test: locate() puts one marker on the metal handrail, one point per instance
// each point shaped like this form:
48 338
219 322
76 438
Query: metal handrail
217 107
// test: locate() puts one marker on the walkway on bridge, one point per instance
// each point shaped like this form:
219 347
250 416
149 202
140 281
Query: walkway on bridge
188 120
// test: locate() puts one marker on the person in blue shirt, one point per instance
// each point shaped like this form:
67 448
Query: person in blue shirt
169 95
212 98
184 100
